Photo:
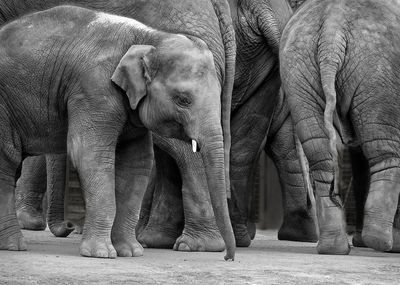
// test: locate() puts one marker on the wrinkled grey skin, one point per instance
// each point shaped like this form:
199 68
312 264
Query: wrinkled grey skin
361 177
256 67
31 189
295 4
258 25
339 63
29 194
170 82
211 22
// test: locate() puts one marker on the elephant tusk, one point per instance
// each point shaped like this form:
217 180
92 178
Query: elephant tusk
194 145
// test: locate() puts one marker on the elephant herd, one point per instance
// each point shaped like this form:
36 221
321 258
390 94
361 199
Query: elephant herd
164 107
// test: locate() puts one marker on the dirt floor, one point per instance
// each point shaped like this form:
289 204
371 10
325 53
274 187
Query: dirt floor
51 260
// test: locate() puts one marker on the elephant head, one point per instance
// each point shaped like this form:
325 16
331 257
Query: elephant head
175 89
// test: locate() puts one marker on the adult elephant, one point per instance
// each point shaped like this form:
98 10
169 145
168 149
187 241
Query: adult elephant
258 25
338 67
361 180
208 20
100 82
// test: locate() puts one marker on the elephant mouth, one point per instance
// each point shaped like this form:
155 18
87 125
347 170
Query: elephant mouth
173 129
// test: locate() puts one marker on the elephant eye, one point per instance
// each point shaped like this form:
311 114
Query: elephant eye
183 100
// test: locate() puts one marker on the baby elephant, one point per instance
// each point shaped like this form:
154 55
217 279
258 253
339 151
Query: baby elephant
55 70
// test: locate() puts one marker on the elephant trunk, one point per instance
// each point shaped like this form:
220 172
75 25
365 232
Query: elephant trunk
212 152
56 169
272 17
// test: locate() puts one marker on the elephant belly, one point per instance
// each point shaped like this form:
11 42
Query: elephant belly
48 140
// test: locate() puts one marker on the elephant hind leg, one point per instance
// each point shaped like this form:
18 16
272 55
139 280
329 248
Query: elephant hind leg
30 190
383 196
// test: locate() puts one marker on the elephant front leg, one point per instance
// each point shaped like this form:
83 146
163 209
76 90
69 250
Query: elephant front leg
96 172
92 139
165 221
10 233
30 190
133 168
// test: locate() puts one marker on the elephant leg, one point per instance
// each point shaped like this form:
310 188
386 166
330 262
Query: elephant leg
56 169
92 149
11 237
200 232
299 220
165 221
30 190
383 196
309 125
330 214
396 230
147 202
134 161
249 127
361 175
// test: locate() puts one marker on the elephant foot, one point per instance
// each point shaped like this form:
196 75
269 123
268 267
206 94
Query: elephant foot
11 237
333 237
14 242
357 240
377 232
251 229
62 229
128 248
212 241
242 236
101 248
78 230
379 213
31 220
298 228
158 237
337 245
377 237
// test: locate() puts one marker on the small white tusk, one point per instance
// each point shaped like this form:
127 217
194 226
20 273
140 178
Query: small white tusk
194 145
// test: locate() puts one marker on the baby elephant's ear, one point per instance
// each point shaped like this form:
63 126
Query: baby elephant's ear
131 73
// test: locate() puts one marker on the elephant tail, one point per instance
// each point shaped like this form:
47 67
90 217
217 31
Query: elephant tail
222 11
331 51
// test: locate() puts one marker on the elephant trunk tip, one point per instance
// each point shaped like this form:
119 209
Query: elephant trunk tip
230 256
62 229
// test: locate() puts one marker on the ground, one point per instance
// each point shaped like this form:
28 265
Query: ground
51 260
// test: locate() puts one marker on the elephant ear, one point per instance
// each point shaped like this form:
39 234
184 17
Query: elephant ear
132 73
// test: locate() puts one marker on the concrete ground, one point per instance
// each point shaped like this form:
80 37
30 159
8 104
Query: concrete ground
51 260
